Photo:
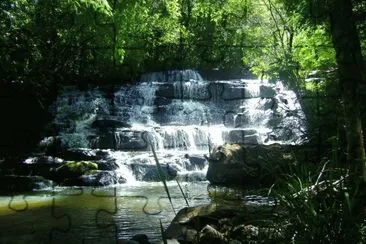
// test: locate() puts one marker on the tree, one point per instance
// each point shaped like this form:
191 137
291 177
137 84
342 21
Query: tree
338 15
350 69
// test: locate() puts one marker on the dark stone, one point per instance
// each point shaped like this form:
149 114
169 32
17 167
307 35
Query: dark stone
192 176
106 140
208 234
109 164
79 154
42 166
267 91
141 239
166 91
241 120
10 184
162 101
130 140
195 162
270 103
105 178
243 136
232 164
188 220
245 232
51 145
44 160
232 92
149 172
96 178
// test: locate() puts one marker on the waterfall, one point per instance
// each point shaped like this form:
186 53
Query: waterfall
183 114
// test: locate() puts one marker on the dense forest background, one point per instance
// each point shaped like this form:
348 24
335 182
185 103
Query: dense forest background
45 44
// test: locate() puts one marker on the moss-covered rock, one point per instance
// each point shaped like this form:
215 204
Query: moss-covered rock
95 178
233 164
74 169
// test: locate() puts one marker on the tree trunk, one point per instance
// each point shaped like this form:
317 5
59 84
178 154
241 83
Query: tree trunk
350 66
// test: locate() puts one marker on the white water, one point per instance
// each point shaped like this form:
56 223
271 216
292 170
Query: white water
182 114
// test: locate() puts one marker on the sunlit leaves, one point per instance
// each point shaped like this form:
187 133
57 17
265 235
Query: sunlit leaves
314 50
101 6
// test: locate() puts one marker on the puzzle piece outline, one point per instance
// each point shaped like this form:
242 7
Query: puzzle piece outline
210 96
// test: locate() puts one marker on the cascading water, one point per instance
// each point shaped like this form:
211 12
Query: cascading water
181 115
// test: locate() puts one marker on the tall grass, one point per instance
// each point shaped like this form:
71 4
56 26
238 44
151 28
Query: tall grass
162 176
320 206
163 180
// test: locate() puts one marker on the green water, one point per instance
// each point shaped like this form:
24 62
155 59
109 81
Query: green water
88 215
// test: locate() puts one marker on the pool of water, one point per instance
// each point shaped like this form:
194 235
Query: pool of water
95 215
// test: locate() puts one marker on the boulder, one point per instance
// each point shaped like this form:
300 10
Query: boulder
95 178
190 222
218 223
44 160
242 136
105 140
108 164
80 154
43 165
166 91
267 91
74 169
192 176
51 145
10 184
149 172
130 140
195 162
232 164
235 92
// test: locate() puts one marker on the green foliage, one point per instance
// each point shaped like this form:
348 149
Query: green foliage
91 38
314 50
320 207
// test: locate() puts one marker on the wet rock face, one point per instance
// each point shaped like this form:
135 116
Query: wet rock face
11 184
107 120
177 113
148 172
232 164
214 223
96 178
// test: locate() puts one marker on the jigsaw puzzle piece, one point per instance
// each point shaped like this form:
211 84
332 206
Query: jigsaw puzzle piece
105 215
18 203
27 219
91 216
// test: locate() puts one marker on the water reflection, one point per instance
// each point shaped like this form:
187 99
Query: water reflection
87 215
105 215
